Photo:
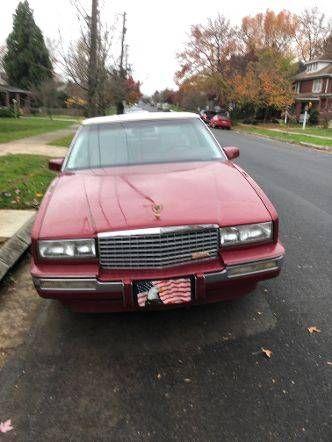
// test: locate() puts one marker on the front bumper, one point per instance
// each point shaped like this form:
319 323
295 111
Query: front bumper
92 294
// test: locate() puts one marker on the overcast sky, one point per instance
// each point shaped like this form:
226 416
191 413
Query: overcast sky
156 29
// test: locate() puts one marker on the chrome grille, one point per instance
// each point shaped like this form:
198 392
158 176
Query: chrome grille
158 247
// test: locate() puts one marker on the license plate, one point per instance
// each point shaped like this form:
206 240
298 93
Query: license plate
163 292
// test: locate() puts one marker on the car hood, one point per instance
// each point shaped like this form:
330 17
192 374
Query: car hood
83 203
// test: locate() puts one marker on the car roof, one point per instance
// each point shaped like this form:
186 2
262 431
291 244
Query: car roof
140 116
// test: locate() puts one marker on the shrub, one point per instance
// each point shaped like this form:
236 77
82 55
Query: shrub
314 117
325 123
5 112
250 121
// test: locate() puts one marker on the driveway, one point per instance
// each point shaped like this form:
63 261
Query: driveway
195 374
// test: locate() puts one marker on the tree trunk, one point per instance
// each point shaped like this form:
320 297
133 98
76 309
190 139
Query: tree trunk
92 79
119 108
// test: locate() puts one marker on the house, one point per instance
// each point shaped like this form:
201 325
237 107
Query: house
9 93
314 85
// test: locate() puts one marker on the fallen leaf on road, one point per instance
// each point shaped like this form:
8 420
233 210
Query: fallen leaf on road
187 380
6 426
313 329
267 352
329 363
158 376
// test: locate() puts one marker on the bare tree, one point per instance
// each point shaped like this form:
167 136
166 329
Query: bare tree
208 49
311 34
46 94
2 54
84 62
97 77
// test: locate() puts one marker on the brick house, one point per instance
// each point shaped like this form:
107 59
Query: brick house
314 85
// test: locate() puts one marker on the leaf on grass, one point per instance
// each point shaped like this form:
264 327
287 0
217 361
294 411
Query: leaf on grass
38 195
6 426
313 329
267 352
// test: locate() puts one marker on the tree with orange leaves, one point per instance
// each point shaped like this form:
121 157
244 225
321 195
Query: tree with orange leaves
267 82
268 30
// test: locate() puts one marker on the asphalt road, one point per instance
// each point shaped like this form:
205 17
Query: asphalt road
198 374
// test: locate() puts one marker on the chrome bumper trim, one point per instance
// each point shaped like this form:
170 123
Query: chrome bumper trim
93 285
157 230
225 275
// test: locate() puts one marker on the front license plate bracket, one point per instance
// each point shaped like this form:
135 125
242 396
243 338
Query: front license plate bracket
163 292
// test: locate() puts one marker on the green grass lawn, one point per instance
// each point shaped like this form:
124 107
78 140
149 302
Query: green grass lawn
291 137
308 130
16 128
63 142
23 180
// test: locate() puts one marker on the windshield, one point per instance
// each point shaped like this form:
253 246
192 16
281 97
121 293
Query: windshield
142 142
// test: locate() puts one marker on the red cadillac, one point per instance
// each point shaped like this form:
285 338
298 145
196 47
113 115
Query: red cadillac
148 211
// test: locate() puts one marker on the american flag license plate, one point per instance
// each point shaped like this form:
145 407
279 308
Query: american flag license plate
163 292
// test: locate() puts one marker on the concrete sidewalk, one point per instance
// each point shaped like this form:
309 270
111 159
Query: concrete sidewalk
11 221
15 227
38 144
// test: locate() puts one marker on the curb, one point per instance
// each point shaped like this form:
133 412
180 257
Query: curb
14 248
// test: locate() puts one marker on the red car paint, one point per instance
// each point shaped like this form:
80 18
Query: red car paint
82 203
221 122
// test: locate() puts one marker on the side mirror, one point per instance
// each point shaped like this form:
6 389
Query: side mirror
231 152
56 164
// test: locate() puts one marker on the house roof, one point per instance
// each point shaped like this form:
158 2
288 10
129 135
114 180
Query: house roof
325 72
140 116
13 89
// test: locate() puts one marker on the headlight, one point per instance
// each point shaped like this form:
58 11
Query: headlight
246 234
68 248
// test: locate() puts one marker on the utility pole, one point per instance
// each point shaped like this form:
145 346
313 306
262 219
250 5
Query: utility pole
92 77
123 47
122 70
